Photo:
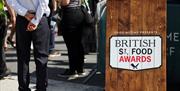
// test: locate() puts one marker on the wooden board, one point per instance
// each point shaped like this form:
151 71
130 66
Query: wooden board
136 17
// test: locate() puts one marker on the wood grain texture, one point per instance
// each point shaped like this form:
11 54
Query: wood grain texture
136 17
111 78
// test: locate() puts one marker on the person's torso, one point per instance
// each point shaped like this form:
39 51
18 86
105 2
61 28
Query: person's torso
29 4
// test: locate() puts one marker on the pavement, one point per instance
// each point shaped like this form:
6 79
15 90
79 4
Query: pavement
93 81
10 84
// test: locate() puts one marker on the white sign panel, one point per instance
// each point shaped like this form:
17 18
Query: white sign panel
135 52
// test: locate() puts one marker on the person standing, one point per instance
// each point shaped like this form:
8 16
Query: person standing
72 21
32 25
52 25
3 31
12 20
9 38
4 71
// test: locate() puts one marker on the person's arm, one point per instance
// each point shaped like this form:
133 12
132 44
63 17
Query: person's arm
54 3
12 14
20 9
42 9
65 2
17 7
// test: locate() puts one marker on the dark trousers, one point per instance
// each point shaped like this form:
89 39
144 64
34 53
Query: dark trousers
52 40
40 39
72 21
52 35
3 31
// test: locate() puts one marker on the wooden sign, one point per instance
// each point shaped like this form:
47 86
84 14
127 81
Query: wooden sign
136 19
135 52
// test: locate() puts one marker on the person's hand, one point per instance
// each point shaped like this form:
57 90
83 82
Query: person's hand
29 16
31 27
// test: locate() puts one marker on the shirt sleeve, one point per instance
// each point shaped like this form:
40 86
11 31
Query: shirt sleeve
17 7
42 9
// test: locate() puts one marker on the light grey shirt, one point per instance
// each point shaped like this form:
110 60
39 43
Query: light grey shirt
40 7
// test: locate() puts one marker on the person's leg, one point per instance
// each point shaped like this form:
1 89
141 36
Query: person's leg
70 43
10 38
51 38
12 34
23 40
3 32
5 44
80 49
52 51
51 42
41 51
75 51
71 31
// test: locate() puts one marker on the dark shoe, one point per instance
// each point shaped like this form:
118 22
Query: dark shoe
12 43
67 73
5 73
27 89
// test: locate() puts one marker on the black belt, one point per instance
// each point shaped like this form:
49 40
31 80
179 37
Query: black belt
35 13
77 7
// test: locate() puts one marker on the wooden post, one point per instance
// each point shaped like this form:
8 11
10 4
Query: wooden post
136 18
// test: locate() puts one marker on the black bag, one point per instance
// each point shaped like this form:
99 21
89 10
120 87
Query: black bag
87 15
